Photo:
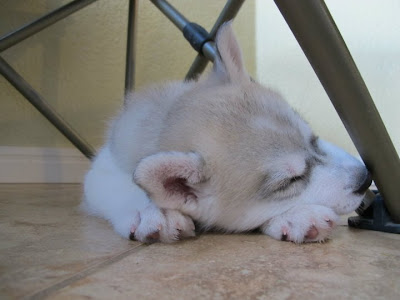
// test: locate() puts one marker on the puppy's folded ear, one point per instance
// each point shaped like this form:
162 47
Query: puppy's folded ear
229 62
169 177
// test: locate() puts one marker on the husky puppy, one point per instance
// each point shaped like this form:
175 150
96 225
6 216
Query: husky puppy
225 152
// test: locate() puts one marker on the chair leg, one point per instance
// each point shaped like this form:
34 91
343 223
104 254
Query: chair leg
30 29
229 11
131 47
45 109
207 49
322 43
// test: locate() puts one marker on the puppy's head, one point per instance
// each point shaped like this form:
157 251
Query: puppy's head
236 154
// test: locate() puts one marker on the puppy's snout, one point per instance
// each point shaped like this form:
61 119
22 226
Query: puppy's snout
365 183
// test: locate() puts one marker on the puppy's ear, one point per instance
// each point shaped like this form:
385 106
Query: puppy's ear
229 62
169 177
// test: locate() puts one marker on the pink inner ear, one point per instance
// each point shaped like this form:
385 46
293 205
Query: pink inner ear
168 177
176 185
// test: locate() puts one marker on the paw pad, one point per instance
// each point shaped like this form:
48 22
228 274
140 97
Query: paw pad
153 237
312 233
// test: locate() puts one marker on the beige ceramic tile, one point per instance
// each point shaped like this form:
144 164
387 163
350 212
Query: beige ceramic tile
44 239
354 265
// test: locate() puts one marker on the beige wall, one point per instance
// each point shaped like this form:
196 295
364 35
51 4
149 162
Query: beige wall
371 29
78 63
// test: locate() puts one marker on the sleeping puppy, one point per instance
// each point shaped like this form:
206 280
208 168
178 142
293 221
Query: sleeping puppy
225 152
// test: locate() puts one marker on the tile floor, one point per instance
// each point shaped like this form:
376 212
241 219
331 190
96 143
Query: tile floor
48 249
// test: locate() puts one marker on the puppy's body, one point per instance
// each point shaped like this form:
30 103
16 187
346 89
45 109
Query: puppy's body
225 152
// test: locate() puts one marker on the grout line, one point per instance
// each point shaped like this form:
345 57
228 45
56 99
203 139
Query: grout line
78 276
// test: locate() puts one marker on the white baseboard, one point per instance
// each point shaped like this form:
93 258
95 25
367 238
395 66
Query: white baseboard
41 165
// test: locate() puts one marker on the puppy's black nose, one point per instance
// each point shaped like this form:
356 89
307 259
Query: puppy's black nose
364 185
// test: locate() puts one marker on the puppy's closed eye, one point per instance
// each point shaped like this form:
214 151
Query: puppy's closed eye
281 187
291 182
288 182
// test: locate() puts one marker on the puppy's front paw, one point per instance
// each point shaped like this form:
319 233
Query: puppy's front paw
303 223
178 226
164 225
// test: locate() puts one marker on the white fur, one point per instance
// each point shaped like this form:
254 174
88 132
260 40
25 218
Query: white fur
110 193
225 152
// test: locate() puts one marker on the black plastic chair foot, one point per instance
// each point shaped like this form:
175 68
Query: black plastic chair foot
376 218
